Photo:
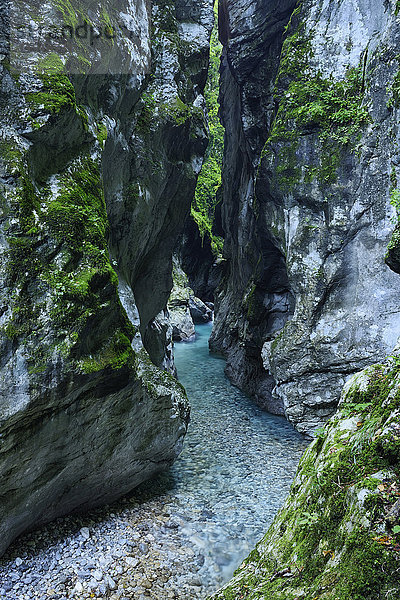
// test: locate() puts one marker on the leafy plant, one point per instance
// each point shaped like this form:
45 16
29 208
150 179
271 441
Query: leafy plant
209 180
395 202
320 433
308 519
396 529
355 408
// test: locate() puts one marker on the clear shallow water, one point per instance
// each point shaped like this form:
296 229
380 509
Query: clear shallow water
237 464
181 535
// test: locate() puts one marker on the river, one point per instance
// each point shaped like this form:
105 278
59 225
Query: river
237 464
181 535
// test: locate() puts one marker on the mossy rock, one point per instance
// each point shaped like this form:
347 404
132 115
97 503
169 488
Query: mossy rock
392 258
309 103
331 540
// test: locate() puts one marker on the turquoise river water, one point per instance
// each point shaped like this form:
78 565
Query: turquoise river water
237 464
181 535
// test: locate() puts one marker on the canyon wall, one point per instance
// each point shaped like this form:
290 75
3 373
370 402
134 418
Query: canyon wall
102 142
311 211
310 103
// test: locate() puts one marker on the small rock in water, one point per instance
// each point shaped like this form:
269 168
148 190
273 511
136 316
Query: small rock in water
143 548
85 533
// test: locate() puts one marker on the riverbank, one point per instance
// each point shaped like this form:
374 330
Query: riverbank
183 534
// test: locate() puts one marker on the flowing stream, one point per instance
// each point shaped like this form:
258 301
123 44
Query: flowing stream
237 464
182 534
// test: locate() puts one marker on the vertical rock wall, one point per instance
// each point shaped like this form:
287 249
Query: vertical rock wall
97 173
310 107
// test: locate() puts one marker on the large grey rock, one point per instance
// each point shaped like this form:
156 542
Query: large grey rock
178 305
306 299
199 311
97 177
199 261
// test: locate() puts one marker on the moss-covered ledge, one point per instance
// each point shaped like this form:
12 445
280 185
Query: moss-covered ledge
334 538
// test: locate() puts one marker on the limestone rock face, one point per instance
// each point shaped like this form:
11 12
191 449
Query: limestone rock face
184 309
335 536
310 104
178 306
199 311
99 160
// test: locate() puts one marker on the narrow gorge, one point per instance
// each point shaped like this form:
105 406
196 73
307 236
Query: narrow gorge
167 165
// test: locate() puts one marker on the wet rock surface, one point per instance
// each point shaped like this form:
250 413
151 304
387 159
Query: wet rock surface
201 313
306 299
179 314
97 172
182 535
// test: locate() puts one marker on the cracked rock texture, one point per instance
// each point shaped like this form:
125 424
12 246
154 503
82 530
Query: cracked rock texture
98 169
310 105
178 306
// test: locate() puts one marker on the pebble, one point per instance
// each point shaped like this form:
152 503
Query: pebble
85 533
143 548
111 583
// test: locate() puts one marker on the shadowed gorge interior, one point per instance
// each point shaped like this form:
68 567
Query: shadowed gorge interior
199 280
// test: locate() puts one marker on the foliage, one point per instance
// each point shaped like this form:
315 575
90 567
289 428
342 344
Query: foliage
392 254
395 202
58 92
209 180
307 103
59 269
394 90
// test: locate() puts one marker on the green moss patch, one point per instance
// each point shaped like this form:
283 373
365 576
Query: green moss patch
209 180
57 93
310 103
59 268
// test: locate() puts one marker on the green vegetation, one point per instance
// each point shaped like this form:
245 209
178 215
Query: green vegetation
101 134
51 64
209 180
146 114
58 93
395 201
179 112
392 257
59 269
115 353
68 12
310 103
394 90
